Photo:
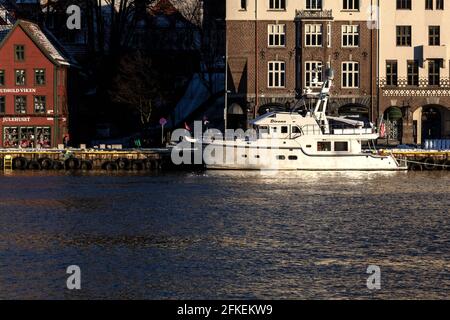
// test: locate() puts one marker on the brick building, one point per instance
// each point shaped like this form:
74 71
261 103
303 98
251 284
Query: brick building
33 88
289 44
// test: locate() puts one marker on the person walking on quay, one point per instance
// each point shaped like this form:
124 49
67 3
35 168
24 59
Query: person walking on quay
66 139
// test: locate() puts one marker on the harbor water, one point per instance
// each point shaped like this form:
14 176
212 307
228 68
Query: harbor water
225 235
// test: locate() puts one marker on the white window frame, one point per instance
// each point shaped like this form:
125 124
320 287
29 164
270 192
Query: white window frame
351 32
277 5
314 5
350 74
278 32
276 71
314 31
351 5
313 68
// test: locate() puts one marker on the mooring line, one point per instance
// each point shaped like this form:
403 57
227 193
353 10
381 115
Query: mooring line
427 164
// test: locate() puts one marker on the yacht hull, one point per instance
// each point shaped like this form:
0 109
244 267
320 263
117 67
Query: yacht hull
241 158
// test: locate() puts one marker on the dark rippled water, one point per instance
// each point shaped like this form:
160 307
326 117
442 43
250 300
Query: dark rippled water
222 235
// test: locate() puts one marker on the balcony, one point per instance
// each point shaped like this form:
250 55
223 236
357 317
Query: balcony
435 52
313 14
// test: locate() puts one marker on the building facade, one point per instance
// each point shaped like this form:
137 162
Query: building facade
277 48
391 60
414 69
33 88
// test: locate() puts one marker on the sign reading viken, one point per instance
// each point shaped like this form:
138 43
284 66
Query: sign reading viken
18 90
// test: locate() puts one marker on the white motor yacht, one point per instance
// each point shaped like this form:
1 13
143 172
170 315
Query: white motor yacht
308 140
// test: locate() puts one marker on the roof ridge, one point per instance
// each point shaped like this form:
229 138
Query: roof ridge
40 39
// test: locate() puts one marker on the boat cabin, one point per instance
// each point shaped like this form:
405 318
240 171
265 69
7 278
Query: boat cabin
335 137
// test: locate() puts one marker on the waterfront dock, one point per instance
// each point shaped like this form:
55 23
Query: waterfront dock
84 159
420 159
159 159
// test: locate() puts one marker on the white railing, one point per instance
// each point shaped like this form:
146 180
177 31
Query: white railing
337 130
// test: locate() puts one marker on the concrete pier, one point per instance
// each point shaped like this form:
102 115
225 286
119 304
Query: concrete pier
419 159
91 159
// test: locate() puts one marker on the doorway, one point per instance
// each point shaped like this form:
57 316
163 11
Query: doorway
394 124
236 118
431 123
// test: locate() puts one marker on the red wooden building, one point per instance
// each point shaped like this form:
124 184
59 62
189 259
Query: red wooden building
33 88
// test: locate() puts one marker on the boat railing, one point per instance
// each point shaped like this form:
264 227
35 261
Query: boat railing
311 130
335 130
352 131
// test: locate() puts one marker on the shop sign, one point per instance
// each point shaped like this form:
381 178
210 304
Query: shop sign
16 119
18 90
